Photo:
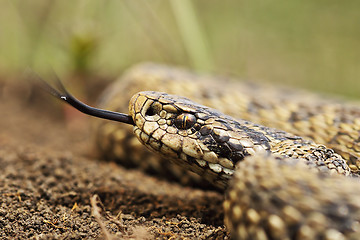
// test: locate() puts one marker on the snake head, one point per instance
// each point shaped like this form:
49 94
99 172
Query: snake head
197 137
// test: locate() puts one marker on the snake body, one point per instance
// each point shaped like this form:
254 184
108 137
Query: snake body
278 185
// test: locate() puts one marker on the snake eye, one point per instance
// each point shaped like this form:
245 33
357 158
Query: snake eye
185 121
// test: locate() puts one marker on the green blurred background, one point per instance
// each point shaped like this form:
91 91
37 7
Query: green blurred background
308 44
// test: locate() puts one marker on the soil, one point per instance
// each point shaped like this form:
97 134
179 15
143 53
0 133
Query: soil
53 187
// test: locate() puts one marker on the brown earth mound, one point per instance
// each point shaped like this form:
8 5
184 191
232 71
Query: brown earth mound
51 187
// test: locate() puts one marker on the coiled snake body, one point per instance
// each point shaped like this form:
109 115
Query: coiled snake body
282 186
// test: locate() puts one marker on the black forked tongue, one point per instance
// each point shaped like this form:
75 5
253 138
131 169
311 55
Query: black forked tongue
62 94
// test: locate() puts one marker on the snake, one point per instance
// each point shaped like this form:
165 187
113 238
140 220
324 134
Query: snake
286 160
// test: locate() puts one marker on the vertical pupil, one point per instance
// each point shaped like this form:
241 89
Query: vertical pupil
185 121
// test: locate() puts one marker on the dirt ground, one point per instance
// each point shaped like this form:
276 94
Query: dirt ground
52 186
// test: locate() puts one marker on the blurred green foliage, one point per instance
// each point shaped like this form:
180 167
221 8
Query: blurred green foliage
312 44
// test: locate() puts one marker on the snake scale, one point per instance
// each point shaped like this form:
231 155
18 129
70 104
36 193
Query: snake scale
287 160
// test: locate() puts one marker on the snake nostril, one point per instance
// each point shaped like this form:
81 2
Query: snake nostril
150 112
